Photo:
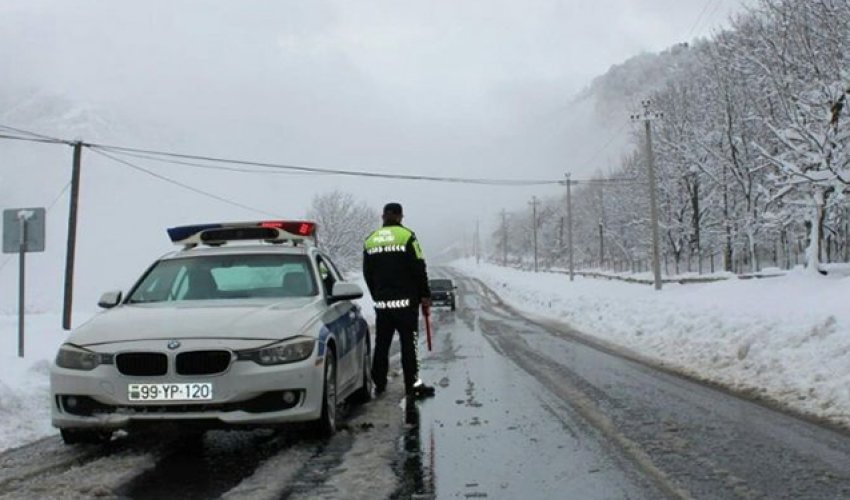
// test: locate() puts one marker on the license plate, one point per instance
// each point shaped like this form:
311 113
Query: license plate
170 392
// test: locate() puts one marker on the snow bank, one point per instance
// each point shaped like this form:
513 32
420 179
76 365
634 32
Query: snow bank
25 382
786 338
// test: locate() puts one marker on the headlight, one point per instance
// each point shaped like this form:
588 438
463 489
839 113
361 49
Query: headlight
76 358
288 351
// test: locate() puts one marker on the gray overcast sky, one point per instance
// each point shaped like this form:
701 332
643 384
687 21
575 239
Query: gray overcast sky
441 86
430 59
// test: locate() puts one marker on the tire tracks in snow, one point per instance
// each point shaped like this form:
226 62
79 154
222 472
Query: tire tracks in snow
48 469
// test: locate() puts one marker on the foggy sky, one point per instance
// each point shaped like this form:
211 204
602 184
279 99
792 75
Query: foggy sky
447 87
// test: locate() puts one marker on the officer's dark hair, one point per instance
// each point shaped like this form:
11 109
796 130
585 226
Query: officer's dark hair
392 209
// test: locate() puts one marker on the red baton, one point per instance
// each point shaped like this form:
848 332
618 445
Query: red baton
426 311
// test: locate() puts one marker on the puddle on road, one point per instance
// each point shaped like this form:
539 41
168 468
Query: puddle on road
416 465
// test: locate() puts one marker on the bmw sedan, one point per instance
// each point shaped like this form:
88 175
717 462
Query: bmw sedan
250 324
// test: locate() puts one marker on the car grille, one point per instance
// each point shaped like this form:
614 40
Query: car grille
142 364
203 362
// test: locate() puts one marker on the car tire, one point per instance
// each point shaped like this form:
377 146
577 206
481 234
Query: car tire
325 426
85 436
364 394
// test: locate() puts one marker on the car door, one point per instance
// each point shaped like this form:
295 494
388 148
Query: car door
357 331
340 320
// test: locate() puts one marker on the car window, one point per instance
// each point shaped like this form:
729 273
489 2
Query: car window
227 277
440 284
327 274
335 269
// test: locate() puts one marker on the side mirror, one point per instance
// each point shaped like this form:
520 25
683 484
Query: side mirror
345 291
110 299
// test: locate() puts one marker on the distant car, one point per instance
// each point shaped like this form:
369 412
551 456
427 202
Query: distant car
443 293
226 334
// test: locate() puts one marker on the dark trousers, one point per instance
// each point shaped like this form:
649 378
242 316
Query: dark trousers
406 322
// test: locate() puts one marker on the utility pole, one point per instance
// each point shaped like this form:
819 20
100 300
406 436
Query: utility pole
23 217
846 233
568 182
647 116
504 238
561 233
70 253
601 189
534 228
477 242
696 219
601 247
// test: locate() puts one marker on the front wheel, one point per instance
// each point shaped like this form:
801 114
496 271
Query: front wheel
364 394
325 426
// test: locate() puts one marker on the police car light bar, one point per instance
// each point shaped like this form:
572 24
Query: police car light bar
219 234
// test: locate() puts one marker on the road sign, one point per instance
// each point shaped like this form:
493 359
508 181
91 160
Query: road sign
12 220
23 232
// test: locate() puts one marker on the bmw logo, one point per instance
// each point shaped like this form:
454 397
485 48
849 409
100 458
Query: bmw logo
174 344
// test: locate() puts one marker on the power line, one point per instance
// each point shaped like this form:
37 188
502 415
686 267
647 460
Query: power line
58 197
614 136
205 166
332 171
699 17
32 139
212 161
613 180
30 133
183 185
714 11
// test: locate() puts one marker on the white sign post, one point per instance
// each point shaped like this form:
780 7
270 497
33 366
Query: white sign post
23 231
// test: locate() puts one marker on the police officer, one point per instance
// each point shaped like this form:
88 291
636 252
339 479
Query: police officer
397 278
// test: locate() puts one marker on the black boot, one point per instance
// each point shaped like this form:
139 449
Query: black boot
421 391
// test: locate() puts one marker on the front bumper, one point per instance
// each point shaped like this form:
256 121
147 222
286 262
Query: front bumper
442 300
245 394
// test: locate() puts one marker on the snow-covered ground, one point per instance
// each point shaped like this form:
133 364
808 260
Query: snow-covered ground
786 338
24 382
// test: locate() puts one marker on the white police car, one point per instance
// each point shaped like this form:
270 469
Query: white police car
219 333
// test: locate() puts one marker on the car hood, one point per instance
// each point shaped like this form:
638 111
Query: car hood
200 319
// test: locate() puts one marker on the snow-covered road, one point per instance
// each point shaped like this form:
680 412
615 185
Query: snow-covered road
540 398
359 462
525 408
785 339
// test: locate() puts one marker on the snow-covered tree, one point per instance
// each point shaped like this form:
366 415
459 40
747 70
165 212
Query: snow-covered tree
752 155
343 225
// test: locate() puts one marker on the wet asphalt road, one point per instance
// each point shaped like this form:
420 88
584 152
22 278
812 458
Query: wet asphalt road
494 431
529 410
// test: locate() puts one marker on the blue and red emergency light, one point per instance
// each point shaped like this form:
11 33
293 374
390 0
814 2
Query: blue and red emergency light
275 230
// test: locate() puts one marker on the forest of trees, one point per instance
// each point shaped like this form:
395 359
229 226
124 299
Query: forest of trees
752 156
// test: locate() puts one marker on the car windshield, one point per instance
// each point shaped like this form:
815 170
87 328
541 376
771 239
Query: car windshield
441 285
212 277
